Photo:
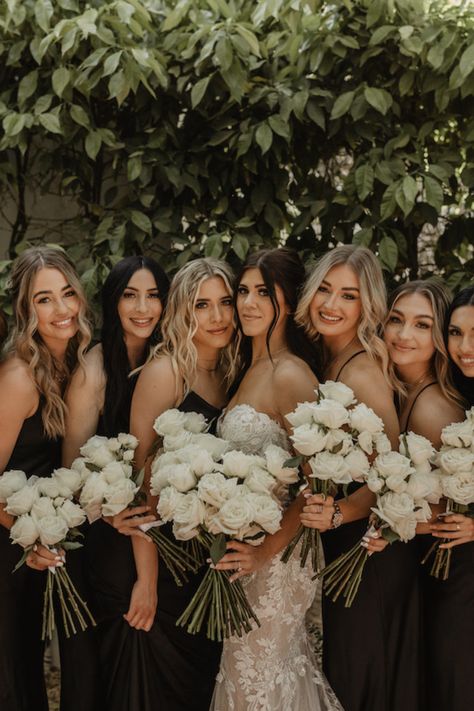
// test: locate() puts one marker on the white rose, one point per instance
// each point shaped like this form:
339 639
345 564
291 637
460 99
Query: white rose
72 514
160 479
452 461
198 458
420 449
330 413
365 441
114 472
423 511
189 516
266 512
260 481
170 422
458 434
79 465
96 451
164 459
235 515
238 464
330 467
127 440
128 455
172 442
338 442
43 508
364 419
10 482
382 443
302 414
22 500
214 445
214 488
398 511
118 496
195 422
337 391
92 496
275 458
425 485
357 464
459 488
24 531
47 486
182 477
113 444
59 501
69 480
309 439
168 503
51 529
393 464
374 482
406 528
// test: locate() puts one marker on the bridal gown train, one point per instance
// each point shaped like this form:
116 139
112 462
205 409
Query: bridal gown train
272 668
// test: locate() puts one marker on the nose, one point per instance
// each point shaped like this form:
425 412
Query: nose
467 343
248 299
404 331
141 304
216 313
331 300
62 306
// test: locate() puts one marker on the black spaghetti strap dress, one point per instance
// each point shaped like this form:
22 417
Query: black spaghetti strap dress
165 669
22 686
371 650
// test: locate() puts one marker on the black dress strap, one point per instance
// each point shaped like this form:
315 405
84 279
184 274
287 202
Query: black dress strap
347 361
414 402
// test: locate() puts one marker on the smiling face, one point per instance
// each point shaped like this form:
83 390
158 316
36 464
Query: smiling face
336 306
461 339
254 305
214 314
139 307
56 305
409 331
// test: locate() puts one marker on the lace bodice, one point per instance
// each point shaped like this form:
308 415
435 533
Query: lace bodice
251 431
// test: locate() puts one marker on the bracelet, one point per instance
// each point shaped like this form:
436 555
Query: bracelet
337 517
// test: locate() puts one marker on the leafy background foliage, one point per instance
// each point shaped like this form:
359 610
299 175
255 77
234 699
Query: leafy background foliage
182 128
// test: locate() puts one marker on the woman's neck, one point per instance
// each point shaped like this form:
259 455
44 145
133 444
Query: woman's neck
415 374
207 358
260 349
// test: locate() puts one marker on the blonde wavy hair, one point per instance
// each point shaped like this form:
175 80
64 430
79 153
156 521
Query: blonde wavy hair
26 343
179 323
373 297
439 296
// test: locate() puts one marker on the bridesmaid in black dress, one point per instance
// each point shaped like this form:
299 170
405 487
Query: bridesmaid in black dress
188 370
450 603
371 654
99 398
49 336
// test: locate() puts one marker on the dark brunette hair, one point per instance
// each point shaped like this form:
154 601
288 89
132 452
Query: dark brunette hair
464 385
119 386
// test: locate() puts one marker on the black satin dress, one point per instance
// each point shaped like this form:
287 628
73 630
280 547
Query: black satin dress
22 686
372 654
165 669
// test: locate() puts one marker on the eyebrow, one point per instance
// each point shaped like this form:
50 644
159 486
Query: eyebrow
256 286
132 288
344 288
49 291
396 311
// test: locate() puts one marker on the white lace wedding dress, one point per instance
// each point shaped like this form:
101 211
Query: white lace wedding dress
272 668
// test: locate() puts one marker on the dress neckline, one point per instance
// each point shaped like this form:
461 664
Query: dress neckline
193 393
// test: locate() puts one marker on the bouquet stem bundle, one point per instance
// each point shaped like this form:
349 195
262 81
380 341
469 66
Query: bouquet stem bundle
223 604
442 556
310 537
343 575
74 610
177 559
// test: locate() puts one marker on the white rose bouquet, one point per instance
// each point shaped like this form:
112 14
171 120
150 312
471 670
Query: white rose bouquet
455 462
213 495
46 514
110 485
404 485
335 436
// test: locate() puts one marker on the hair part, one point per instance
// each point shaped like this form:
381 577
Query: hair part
373 297
26 343
439 297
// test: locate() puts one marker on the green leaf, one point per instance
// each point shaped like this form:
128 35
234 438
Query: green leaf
50 122
176 15
342 104
43 13
363 237
224 54
134 168
250 38
434 193
279 126
79 116
379 99
293 462
218 548
264 137
466 64
406 82
111 63
13 124
60 80
92 144
213 246
388 252
27 86
380 34
364 180
141 221
316 114
388 204
43 104
198 91
240 246
119 87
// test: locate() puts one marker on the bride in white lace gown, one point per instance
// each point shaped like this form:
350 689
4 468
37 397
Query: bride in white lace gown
272 668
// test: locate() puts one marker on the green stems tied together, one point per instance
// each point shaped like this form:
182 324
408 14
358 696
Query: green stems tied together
343 575
442 556
175 556
310 537
74 611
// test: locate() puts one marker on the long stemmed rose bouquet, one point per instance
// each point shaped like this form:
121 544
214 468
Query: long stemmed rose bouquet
456 469
404 484
214 495
111 485
46 514
335 436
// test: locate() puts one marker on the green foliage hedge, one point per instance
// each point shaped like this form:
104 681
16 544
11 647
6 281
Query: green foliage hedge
212 127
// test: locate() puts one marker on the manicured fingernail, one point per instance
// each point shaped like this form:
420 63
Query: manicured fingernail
208 560
307 496
365 538
364 544
57 557
59 564
212 566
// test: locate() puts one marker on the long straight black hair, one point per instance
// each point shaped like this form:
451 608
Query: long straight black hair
119 386
284 268
464 385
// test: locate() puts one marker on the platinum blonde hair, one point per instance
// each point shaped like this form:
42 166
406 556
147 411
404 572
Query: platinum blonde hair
373 297
180 324
26 343
439 296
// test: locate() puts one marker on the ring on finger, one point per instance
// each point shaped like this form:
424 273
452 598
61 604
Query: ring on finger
458 527
239 569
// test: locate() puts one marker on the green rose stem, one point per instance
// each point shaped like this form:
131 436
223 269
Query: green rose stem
442 559
343 575
311 536
73 607
75 600
176 558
